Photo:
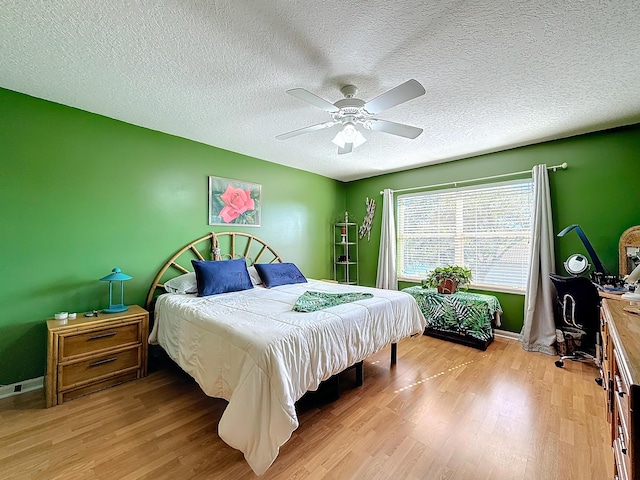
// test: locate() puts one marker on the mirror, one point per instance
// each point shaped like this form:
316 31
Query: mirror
576 264
629 251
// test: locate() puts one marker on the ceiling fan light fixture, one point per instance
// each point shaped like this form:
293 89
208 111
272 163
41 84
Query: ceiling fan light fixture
339 139
349 134
359 140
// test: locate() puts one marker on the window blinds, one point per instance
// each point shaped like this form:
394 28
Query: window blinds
485 228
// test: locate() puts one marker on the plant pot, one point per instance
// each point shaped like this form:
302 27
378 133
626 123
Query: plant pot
447 286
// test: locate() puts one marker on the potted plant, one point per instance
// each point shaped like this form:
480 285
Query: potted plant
447 279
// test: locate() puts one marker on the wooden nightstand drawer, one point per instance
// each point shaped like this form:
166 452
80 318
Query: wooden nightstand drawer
73 345
73 374
96 386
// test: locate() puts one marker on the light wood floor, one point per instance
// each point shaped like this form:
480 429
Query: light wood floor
444 412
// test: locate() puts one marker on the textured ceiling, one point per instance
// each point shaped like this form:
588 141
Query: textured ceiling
498 74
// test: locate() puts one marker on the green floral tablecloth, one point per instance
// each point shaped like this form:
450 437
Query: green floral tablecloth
462 313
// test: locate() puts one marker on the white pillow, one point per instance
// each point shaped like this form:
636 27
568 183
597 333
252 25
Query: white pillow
183 284
253 273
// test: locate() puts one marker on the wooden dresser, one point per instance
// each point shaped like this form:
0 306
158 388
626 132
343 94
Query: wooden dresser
621 373
91 353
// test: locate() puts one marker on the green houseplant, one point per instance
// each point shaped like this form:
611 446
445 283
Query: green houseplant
446 279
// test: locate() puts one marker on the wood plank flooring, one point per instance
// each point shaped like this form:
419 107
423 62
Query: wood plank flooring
446 411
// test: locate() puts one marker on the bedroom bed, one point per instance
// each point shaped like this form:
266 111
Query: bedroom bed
251 348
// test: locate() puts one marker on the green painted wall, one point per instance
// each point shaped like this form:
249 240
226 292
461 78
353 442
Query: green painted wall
599 191
81 194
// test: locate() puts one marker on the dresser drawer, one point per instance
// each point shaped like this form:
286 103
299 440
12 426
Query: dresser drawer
622 467
621 388
72 374
621 418
77 344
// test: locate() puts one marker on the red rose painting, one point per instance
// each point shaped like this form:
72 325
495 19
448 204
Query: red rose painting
233 202
236 201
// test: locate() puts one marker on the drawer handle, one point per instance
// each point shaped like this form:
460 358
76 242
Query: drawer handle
621 391
623 447
102 362
104 335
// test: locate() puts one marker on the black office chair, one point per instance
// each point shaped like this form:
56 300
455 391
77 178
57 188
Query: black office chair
578 316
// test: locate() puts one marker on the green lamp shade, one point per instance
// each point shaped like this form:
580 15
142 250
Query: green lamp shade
116 275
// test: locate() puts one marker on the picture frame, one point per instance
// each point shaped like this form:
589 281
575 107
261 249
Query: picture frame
234 202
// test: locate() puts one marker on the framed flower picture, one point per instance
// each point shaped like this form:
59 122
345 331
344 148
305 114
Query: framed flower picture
232 202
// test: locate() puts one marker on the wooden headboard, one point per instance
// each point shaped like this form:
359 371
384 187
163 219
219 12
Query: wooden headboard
215 246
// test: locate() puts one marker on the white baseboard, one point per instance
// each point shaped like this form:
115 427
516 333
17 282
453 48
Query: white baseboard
506 334
21 387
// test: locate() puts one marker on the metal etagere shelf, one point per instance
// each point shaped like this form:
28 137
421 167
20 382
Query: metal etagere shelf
345 251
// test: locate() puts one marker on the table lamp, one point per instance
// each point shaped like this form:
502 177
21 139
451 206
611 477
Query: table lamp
116 275
587 244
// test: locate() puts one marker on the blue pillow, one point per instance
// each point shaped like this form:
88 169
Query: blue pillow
224 276
274 274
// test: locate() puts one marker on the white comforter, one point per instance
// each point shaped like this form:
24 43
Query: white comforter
251 349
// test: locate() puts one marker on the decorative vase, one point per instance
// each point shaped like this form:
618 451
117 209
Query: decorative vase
447 286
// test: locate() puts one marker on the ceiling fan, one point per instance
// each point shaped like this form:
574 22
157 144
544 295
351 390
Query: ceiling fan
350 112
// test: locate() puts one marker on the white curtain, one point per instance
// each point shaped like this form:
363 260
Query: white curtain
539 331
387 275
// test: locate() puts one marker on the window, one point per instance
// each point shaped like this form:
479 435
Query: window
485 228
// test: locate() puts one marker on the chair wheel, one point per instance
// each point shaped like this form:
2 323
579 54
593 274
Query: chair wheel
559 363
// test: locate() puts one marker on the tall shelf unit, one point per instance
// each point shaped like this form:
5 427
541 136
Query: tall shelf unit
345 251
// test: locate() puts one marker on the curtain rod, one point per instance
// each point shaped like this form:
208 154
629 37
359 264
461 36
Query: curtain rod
455 184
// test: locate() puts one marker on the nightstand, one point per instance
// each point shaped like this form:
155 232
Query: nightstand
88 354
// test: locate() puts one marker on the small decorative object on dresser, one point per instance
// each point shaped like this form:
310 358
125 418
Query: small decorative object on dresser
87 354
447 279
116 275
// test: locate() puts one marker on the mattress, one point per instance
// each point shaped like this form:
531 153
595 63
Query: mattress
251 349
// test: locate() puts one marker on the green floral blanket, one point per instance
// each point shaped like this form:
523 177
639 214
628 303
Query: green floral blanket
313 301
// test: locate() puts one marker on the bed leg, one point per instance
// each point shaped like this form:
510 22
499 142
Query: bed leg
359 374
394 353
334 388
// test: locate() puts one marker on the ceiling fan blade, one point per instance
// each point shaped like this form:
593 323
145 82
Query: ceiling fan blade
313 99
400 94
348 148
300 131
393 128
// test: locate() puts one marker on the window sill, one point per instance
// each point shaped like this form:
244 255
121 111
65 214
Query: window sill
485 288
